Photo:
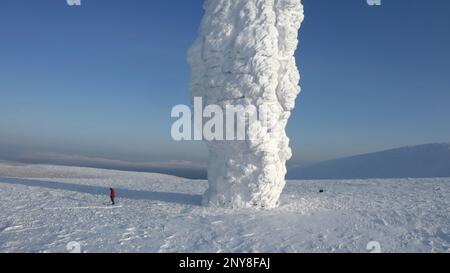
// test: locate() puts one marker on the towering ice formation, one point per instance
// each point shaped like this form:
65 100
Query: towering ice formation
244 55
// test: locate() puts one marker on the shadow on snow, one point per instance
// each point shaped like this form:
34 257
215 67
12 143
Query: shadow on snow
169 197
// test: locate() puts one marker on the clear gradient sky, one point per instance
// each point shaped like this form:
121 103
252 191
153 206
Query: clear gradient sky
100 80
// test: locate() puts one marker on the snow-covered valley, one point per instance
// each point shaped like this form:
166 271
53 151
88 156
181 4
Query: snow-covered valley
43 208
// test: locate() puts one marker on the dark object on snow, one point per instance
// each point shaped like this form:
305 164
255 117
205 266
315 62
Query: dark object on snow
321 191
112 195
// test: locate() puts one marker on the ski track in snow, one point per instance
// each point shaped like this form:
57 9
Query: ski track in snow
43 208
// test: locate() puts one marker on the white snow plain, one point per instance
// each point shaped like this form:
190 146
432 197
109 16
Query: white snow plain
44 208
244 55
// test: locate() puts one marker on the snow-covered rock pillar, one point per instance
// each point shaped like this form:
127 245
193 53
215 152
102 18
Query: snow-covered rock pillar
244 55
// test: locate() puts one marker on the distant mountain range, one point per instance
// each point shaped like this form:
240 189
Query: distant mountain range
429 160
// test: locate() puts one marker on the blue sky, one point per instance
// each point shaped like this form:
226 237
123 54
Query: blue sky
100 80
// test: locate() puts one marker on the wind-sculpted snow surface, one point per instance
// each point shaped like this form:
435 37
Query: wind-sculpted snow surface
244 55
46 208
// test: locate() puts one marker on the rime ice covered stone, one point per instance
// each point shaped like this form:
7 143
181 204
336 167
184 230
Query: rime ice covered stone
244 54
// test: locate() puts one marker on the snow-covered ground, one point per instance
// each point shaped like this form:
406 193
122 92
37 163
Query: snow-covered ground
43 208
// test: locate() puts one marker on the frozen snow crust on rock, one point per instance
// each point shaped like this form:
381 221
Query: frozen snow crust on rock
244 55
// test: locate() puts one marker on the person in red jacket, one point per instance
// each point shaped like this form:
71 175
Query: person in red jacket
112 195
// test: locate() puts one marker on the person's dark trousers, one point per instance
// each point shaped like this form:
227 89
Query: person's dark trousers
112 200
